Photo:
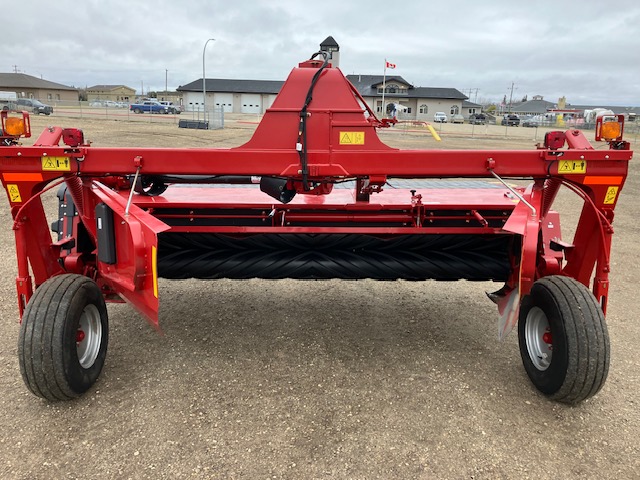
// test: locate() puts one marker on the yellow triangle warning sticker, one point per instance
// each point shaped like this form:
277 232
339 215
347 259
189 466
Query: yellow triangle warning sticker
572 166
56 164
351 138
14 193
610 196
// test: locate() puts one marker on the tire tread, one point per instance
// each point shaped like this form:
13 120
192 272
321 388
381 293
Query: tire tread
41 340
585 328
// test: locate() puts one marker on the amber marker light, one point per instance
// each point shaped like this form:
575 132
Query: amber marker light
15 126
609 128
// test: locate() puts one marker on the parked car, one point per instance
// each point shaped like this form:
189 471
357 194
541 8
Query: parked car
529 121
8 100
148 106
477 119
546 120
511 120
440 117
457 118
172 107
34 106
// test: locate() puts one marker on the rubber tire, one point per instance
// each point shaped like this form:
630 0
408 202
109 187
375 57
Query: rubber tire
47 344
137 110
580 360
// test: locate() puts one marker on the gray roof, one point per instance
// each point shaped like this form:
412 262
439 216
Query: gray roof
108 87
467 104
613 108
233 86
542 106
368 85
533 106
22 80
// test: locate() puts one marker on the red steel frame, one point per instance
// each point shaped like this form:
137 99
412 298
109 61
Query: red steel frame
341 144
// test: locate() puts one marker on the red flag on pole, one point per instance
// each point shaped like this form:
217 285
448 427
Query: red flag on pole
391 65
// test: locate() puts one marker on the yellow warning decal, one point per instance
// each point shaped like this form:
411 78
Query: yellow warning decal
572 166
351 138
610 196
14 193
154 269
56 164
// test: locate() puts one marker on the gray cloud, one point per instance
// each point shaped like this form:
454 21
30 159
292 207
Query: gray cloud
586 51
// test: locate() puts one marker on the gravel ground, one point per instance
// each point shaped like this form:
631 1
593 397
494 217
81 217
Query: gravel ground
336 379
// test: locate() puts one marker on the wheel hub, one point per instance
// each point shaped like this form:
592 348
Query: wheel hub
538 338
89 336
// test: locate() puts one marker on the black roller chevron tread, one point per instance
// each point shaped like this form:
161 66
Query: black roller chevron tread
324 256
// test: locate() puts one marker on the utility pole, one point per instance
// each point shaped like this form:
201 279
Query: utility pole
15 68
511 96
166 75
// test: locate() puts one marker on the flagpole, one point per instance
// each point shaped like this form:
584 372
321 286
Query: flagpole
384 86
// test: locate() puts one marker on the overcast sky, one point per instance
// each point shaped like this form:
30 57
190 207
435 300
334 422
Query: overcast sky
588 50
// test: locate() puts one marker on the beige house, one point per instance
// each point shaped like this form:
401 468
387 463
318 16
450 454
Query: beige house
27 86
409 102
116 93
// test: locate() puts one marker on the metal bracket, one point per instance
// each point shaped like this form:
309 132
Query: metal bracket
138 162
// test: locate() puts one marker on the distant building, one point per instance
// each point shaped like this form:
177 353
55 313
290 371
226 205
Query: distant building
400 97
416 103
116 93
469 108
233 96
27 86
536 106
539 106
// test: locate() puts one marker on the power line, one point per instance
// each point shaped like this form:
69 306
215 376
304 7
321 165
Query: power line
471 89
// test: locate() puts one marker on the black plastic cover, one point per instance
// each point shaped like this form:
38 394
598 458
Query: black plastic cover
106 234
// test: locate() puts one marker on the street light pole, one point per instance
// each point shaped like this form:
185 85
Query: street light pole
204 83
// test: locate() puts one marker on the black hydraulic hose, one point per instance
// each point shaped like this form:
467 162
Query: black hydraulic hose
301 144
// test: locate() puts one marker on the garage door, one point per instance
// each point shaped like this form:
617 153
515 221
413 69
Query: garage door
224 100
251 103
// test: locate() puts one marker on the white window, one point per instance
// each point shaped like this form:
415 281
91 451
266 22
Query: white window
424 108
454 109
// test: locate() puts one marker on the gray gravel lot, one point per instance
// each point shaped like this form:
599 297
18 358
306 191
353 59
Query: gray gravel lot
335 379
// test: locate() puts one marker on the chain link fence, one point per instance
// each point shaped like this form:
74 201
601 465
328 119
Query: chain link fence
121 111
